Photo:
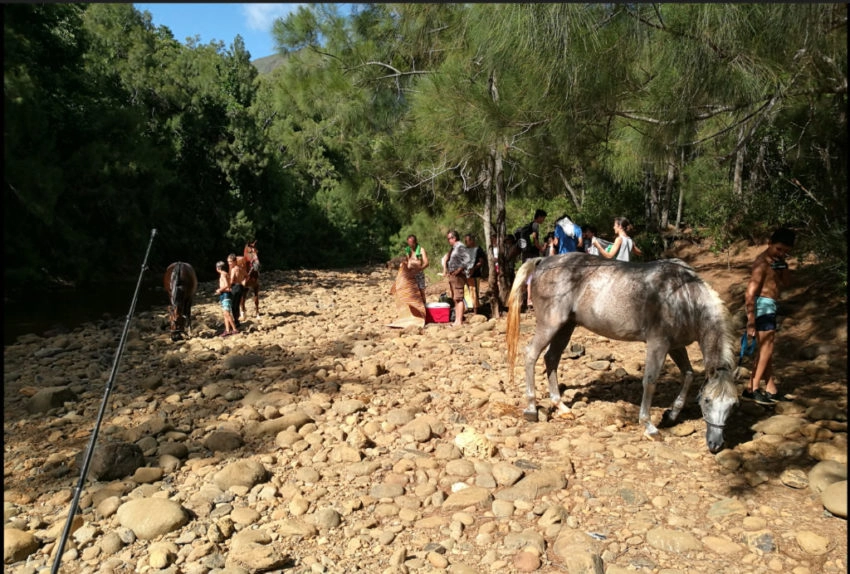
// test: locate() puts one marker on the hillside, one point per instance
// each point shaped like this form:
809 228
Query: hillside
268 63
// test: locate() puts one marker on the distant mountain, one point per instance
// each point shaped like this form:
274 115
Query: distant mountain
269 63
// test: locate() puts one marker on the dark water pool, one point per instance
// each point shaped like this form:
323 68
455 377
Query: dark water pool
69 308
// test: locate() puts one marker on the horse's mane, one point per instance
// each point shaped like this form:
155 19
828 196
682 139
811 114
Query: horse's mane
716 317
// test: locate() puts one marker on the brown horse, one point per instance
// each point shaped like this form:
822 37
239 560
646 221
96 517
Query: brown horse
250 262
180 283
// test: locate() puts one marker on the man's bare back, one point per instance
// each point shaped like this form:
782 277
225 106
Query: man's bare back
764 280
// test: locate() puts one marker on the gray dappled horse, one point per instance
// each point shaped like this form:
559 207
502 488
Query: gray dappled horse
663 303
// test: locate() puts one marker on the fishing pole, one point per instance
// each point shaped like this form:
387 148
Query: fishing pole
90 450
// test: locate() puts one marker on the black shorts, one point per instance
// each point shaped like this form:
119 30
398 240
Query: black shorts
766 322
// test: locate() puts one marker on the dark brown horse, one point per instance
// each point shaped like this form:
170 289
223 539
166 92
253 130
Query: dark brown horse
180 283
250 262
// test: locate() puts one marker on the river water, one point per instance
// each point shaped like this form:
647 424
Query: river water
66 309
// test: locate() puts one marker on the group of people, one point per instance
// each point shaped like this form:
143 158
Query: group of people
567 237
231 288
465 263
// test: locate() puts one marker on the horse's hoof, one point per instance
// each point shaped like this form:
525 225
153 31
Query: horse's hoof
653 436
667 419
530 416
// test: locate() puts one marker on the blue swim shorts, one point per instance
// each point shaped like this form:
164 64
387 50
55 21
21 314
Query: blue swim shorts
765 314
224 299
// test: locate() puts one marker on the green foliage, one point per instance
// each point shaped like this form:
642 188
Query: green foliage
408 118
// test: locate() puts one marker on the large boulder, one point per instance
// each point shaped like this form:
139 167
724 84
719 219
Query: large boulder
151 517
113 460
50 398
17 545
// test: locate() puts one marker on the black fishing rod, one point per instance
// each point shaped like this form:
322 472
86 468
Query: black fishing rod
90 451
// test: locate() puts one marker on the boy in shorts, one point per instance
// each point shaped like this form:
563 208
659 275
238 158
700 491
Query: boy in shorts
769 275
224 294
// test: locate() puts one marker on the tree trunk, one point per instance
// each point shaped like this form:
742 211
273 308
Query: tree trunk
757 168
668 193
499 288
737 180
488 227
572 193
681 194
652 202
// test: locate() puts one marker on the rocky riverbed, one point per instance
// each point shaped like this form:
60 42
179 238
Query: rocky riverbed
319 440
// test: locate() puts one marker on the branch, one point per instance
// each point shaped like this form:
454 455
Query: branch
658 15
269 120
434 175
731 127
396 72
664 28
329 55
525 129
795 182
569 188
703 116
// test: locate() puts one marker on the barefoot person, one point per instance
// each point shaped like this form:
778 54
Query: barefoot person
224 294
769 275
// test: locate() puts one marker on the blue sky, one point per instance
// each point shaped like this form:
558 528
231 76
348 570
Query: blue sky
222 22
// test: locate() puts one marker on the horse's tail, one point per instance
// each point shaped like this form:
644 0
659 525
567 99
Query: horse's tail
175 277
514 303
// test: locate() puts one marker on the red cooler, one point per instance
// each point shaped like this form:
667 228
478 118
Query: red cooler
437 312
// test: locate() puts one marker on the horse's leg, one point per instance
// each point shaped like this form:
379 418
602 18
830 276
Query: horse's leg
552 358
656 351
257 299
680 357
542 337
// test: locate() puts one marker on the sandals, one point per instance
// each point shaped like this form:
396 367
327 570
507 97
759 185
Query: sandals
228 333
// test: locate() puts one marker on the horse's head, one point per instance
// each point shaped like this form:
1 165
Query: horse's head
252 256
717 399
178 323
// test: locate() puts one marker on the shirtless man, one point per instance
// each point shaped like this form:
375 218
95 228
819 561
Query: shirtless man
225 299
769 276
237 286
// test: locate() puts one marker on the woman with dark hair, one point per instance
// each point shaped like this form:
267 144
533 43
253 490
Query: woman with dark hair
623 246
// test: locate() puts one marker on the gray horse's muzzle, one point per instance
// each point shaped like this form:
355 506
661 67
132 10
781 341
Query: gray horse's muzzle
713 436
